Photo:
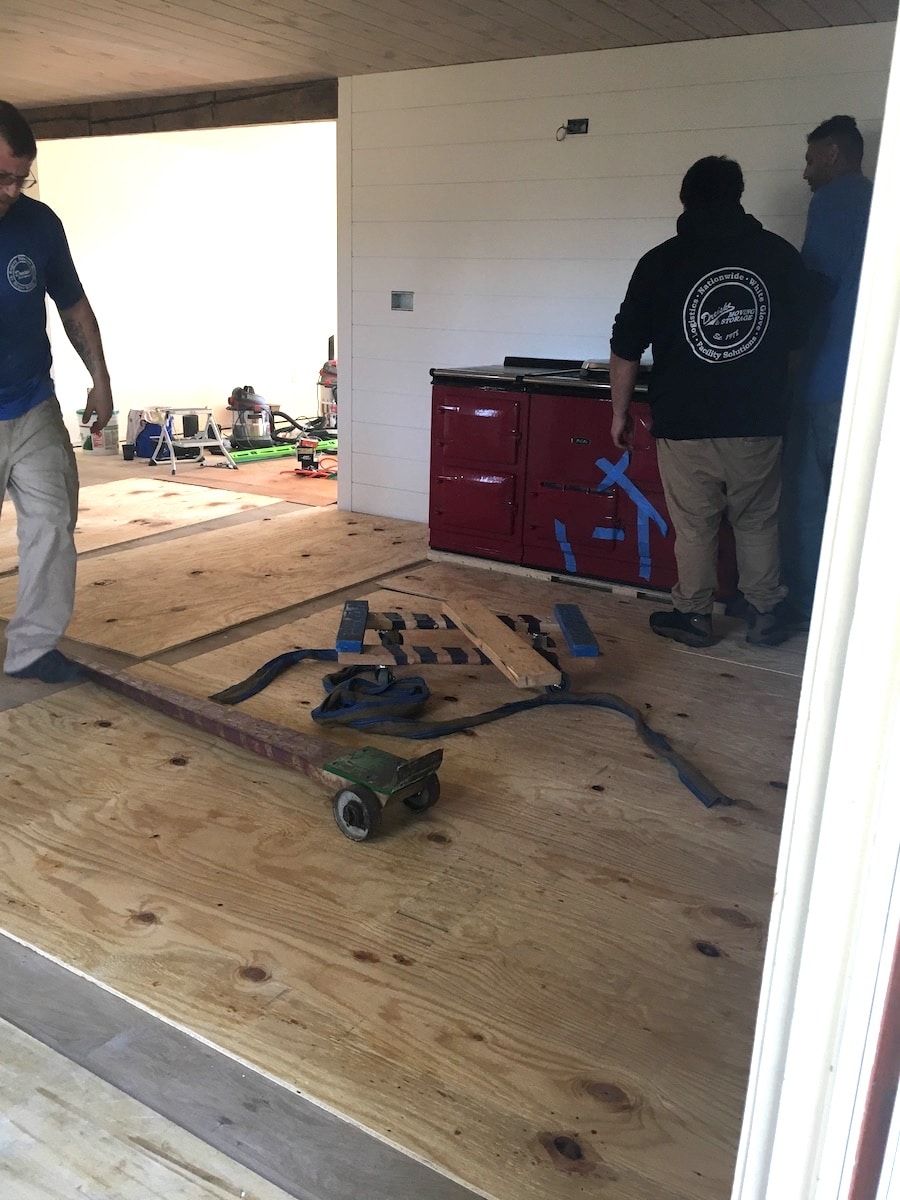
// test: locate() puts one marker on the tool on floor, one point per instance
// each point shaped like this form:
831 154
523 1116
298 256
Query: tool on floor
258 425
316 457
389 705
366 779
263 452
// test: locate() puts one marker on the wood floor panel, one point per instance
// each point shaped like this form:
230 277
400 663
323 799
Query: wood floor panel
127 509
147 598
277 478
545 986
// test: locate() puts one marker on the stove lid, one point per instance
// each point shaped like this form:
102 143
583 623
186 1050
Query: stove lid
513 369
595 368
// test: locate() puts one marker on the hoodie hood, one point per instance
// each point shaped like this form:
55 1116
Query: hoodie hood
707 226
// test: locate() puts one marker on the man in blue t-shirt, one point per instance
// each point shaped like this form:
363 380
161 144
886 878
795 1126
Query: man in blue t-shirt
832 249
37 464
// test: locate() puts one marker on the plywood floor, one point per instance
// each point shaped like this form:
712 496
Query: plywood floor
141 601
275 477
545 986
125 510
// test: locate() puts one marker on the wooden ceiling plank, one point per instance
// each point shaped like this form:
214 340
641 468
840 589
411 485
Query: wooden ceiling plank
502 31
547 17
664 26
247 57
484 38
749 16
880 10
315 25
706 18
87 22
158 25
574 19
795 14
841 12
399 17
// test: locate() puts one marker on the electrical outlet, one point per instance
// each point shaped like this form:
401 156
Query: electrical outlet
577 125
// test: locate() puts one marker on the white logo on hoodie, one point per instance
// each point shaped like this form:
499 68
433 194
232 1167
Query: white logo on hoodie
726 314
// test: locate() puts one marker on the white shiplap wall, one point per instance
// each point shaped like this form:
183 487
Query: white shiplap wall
452 184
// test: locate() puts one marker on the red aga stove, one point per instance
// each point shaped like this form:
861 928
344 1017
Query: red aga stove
523 470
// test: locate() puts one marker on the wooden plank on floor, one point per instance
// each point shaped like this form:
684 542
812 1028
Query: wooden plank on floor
544 986
510 653
65 1132
127 509
149 597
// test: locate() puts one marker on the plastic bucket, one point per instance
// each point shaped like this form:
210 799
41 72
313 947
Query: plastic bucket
104 442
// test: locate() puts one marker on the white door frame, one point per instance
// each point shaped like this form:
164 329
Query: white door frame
836 907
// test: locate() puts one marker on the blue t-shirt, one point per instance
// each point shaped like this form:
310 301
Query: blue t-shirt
34 262
833 247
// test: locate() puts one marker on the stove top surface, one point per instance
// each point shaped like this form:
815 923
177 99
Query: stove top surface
553 373
512 369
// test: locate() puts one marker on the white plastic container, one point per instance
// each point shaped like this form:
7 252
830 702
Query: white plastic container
104 442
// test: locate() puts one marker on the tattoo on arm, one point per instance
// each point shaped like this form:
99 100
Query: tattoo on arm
84 334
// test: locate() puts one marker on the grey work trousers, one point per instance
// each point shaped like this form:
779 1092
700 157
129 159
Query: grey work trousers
739 478
38 470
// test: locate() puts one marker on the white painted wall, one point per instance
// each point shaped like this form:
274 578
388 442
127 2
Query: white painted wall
209 258
452 185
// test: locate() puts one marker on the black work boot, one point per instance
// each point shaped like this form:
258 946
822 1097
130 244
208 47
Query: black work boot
693 629
766 629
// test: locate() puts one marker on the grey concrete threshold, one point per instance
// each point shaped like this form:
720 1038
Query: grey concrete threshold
301 1148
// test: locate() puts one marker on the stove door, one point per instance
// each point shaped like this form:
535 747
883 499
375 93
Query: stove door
477 471
591 508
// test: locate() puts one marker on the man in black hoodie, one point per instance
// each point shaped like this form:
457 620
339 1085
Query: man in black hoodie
722 305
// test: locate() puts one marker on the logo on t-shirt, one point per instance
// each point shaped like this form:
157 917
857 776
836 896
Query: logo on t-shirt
726 314
22 273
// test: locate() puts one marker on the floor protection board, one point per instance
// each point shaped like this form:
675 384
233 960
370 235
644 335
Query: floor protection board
144 599
545 985
128 509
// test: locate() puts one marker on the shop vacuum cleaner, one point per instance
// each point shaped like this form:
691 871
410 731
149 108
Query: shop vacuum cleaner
256 426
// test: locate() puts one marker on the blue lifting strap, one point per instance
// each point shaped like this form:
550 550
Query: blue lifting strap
374 699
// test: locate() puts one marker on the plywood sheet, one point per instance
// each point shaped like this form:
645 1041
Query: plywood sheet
127 509
150 597
544 986
275 477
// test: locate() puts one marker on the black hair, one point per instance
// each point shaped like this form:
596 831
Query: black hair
713 182
841 130
16 131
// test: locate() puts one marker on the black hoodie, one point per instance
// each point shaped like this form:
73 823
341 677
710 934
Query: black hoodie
722 304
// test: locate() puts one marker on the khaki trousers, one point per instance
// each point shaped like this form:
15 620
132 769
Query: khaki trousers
739 478
37 467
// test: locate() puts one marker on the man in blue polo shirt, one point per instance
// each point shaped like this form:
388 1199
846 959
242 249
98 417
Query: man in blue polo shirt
37 464
832 249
